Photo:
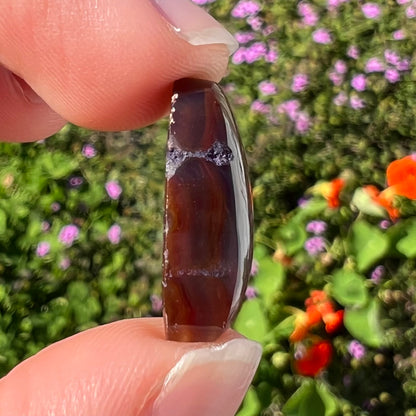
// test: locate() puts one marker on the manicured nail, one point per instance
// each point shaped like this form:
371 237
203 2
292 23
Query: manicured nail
194 24
209 381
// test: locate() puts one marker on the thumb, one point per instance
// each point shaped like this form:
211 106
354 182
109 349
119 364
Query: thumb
106 65
128 368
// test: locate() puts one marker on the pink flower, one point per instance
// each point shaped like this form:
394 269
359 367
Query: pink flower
309 17
290 108
411 12
271 56
261 107
374 65
114 234
88 150
340 66
202 2
391 57
113 189
340 99
356 102
256 51
336 78
267 88
245 8
244 37
68 234
64 263
302 122
251 292
299 82
403 65
392 75
353 52
402 1
399 35
322 36
371 10
239 56
255 22
43 248
358 82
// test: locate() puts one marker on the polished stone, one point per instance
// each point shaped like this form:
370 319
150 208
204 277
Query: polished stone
208 215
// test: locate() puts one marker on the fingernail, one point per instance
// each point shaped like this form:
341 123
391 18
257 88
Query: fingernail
194 24
25 90
209 381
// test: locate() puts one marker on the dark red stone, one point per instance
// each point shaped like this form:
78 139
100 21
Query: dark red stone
208 215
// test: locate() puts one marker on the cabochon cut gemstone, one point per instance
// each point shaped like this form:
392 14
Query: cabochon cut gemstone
208 215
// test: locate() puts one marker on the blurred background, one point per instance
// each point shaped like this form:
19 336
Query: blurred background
324 94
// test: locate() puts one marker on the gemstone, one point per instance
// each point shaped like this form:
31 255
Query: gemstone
208 229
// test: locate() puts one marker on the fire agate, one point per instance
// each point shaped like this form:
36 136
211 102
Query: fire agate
208 215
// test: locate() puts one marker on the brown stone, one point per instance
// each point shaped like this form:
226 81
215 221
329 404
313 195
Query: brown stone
208 215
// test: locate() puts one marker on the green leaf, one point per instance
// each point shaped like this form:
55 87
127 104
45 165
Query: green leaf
293 237
251 320
305 401
329 399
363 201
369 244
407 245
3 222
269 279
284 328
348 288
251 405
364 324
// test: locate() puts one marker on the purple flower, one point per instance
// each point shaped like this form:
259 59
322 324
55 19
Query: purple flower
43 248
392 75
239 56
384 224
45 226
316 227
113 189
377 274
299 82
244 37
255 22
353 52
336 78
290 108
340 66
64 263
391 57
76 181
55 206
411 12
251 292
261 107
403 65
356 349
374 65
340 99
399 35
314 245
356 102
358 82
88 150
254 268
157 303
255 52
245 8
68 234
114 234
371 10
271 56
267 88
309 17
302 122
322 36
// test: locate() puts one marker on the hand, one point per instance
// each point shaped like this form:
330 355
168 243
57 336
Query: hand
104 65
128 368
110 65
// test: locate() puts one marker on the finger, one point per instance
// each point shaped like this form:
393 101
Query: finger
110 65
127 368
22 111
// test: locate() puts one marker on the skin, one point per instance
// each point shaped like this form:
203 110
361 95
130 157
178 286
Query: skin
107 68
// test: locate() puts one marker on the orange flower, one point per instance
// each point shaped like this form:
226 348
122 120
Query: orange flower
333 321
330 191
310 360
304 321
